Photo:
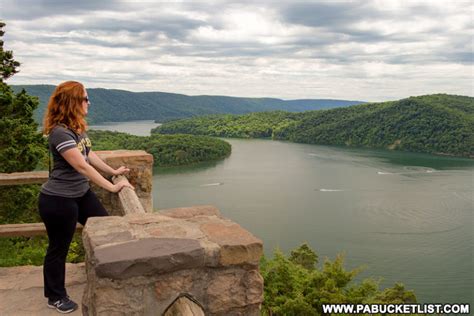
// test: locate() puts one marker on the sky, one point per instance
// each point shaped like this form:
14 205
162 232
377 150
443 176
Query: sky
373 50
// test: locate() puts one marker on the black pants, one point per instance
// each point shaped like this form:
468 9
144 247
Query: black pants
60 216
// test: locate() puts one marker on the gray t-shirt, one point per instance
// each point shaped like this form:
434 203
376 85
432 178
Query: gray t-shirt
64 180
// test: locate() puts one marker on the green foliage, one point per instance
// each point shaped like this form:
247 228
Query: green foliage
8 66
439 123
18 204
167 150
431 124
19 251
292 288
253 125
21 146
22 251
304 256
76 252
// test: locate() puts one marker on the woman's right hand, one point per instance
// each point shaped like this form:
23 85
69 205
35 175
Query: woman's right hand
120 185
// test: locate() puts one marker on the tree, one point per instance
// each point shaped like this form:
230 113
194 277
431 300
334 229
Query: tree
304 256
296 285
21 146
8 64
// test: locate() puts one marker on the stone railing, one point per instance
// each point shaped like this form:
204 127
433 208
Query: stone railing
185 261
140 164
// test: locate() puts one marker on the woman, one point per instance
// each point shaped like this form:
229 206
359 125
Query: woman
66 198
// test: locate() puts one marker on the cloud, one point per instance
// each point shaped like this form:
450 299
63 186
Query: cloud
33 9
369 50
328 14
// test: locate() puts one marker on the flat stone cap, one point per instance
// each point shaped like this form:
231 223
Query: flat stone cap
125 156
188 212
175 239
122 153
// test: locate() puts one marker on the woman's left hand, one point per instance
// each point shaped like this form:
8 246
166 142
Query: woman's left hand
121 170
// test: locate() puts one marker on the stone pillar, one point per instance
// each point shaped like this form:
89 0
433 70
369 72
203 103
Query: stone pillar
140 264
140 176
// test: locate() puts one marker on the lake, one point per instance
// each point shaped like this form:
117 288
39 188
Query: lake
406 217
140 128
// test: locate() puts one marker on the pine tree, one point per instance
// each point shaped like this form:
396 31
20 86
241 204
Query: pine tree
21 145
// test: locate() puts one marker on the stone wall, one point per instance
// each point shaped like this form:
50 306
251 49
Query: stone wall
139 264
140 164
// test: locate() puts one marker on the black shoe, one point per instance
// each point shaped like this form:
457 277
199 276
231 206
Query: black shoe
64 305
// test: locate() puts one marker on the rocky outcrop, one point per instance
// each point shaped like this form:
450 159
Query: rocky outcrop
140 264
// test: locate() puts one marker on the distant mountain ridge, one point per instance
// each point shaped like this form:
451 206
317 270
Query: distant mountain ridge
121 105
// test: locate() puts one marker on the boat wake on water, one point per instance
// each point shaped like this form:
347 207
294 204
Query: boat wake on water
319 156
330 190
409 170
211 184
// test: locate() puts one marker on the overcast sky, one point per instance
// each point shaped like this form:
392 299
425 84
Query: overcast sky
355 50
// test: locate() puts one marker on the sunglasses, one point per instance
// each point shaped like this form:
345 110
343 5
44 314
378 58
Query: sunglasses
86 99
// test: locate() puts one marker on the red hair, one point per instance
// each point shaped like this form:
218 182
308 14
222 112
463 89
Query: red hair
65 107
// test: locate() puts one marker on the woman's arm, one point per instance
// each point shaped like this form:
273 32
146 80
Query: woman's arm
99 164
74 157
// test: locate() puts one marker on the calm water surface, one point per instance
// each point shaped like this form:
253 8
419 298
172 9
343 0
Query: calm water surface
405 217
140 128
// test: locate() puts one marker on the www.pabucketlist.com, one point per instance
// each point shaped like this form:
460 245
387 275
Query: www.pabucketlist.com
396 308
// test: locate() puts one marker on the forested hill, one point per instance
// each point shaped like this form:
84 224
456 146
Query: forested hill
121 105
438 123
